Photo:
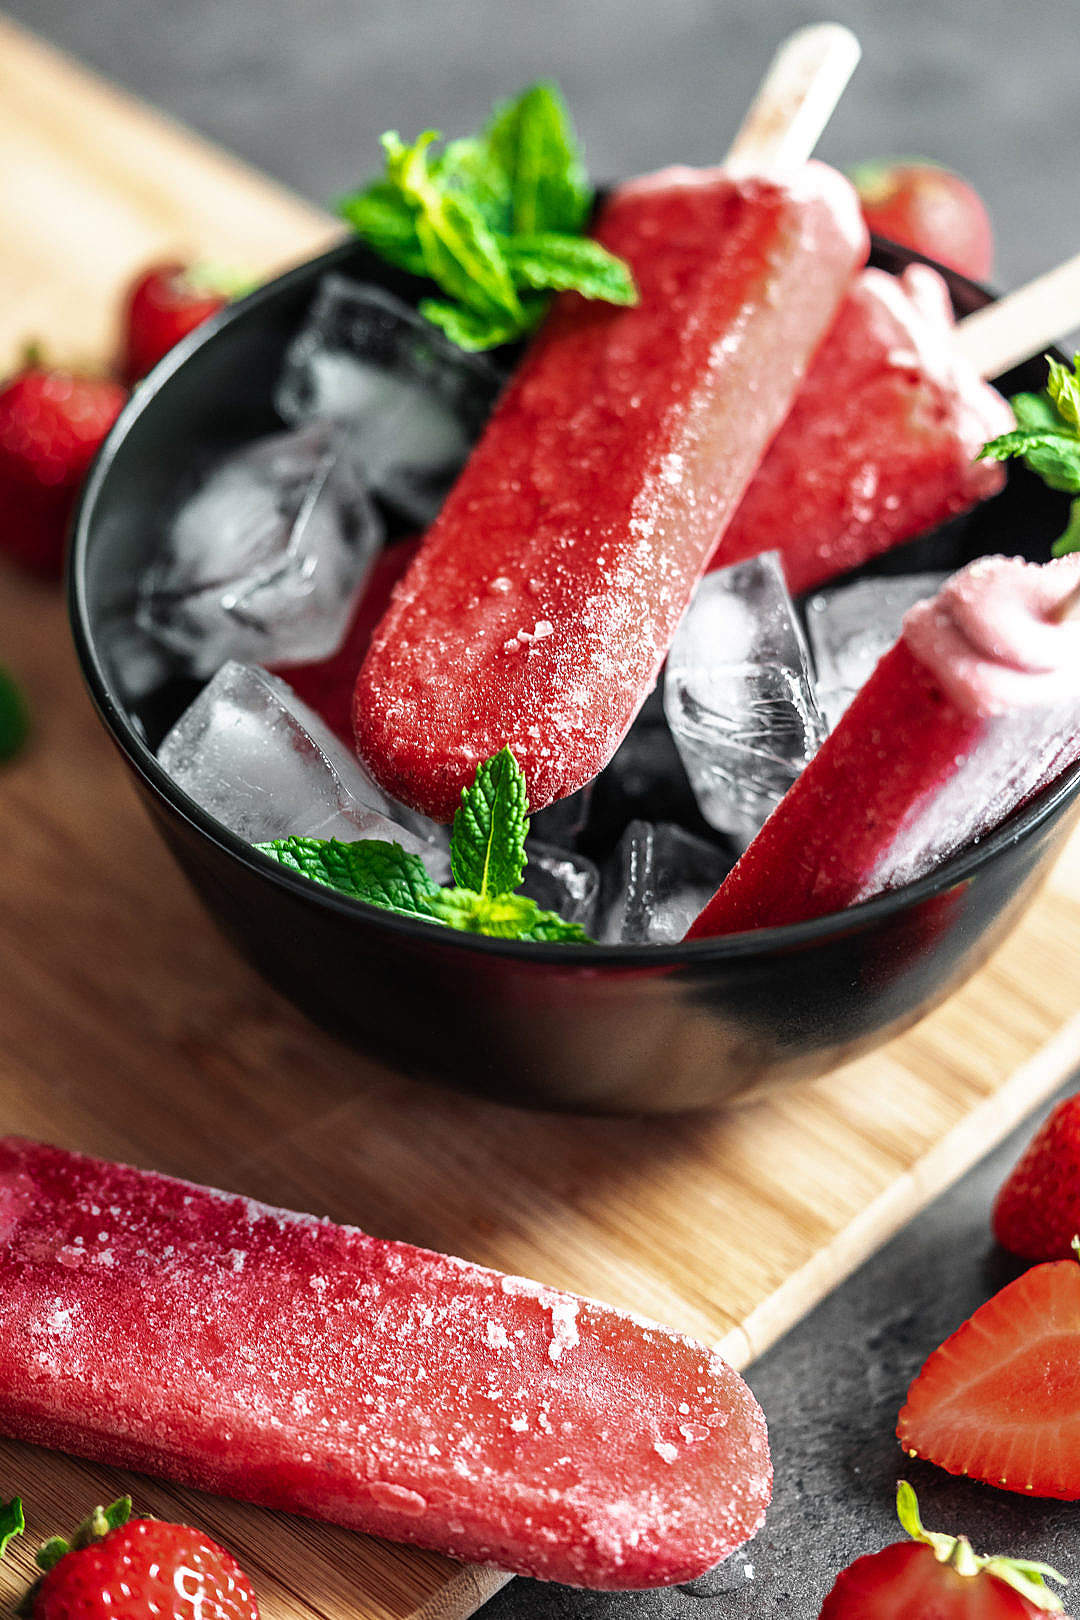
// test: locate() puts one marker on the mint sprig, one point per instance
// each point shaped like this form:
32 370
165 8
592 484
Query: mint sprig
487 856
12 1522
496 220
1047 440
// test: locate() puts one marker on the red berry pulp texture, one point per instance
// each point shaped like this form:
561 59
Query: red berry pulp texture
306 1366
906 1582
881 442
1037 1213
931 210
822 847
327 686
162 307
545 596
1000 1400
147 1569
51 426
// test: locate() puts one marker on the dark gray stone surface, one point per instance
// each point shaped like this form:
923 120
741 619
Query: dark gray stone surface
832 1389
303 88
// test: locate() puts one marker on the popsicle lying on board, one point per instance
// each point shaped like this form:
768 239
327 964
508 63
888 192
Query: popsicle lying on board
974 709
159 1325
881 442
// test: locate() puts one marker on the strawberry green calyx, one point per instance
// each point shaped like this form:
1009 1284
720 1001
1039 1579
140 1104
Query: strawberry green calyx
209 279
12 1522
95 1527
875 180
1021 1574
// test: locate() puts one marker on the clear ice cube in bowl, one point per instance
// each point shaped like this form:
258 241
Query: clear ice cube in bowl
264 561
852 626
412 402
258 760
739 697
561 881
657 881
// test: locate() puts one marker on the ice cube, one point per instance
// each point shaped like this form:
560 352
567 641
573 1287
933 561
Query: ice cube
562 882
264 765
657 882
562 822
739 697
852 626
265 561
413 403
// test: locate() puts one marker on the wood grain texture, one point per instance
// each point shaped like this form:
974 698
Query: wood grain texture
129 1029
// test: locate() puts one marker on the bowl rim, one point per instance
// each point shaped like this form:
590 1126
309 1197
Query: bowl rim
1018 828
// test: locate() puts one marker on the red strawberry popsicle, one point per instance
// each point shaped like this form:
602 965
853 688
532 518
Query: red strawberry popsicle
881 442
275 1357
974 709
543 600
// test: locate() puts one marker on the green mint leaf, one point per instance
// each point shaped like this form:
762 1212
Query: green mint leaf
570 264
1070 540
14 717
387 222
12 1522
1063 387
383 874
475 332
463 256
487 843
1054 457
501 916
459 250
548 928
533 141
469 166
1036 413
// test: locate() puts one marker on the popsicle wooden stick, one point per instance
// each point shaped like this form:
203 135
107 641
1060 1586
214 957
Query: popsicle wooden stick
805 80
1023 322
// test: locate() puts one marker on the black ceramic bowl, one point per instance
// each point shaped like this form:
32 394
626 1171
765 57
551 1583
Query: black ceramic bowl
647 1028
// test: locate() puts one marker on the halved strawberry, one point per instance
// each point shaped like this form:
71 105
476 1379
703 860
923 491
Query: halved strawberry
1000 1400
938 1577
1037 1213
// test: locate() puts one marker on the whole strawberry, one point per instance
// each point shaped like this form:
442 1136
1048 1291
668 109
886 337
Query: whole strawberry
928 208
119 1568
938 1577
1037 1213
52 424
163 305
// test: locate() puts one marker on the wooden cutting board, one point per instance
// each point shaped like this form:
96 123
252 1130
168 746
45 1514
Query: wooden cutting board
129 1029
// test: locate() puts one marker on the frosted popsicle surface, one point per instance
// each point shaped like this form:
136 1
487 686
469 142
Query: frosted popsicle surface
543 600
306 1366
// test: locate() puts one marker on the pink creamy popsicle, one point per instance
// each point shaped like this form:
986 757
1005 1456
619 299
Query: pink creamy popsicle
881 442
275 1357
974 709
543 600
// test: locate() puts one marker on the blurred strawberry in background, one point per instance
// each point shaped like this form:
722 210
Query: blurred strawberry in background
164 304
51 425
923 206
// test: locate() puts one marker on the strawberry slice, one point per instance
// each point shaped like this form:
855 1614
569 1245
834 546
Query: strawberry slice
938 1577
1000 1400
1037 1213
